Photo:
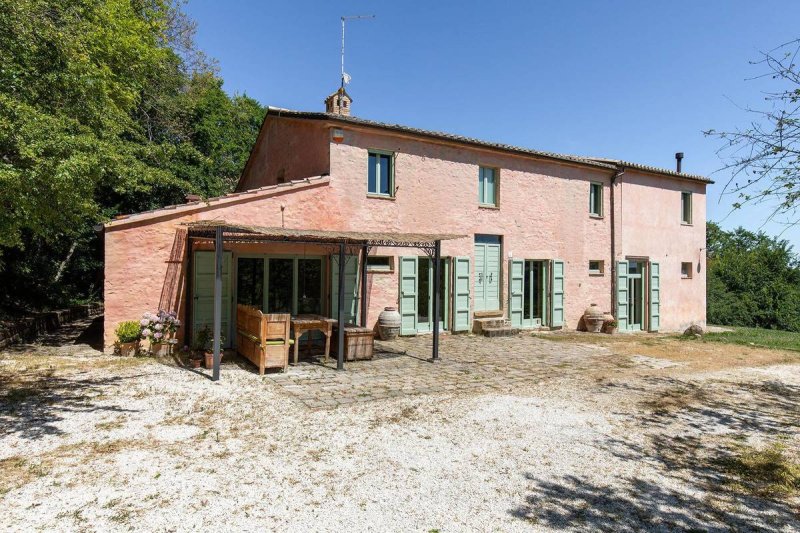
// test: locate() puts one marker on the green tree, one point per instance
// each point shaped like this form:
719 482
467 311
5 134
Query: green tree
753 280
106 107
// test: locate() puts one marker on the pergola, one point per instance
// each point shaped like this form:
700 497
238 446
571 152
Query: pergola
220 231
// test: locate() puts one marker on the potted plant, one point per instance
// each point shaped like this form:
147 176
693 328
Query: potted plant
611 327
204 345
159 329
128 338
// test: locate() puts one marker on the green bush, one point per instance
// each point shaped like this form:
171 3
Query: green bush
753 280
128 331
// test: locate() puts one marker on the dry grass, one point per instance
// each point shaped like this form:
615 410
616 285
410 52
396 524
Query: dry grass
18 471
696 356
770 471
676 399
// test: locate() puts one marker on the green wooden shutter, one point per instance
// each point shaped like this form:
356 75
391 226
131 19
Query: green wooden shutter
516 291
408 295
655 297
622 295
203 303
461 294
557 293
351 295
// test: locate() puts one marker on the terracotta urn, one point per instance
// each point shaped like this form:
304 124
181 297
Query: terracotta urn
593 317
128 349
389 323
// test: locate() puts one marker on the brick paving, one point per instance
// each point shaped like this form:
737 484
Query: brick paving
468 364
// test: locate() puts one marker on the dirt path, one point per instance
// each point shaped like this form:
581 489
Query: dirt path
627 443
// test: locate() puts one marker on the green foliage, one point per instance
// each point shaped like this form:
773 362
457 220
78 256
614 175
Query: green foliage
129 331
753 280
106 108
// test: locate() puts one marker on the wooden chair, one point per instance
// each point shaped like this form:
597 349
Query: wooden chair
263 339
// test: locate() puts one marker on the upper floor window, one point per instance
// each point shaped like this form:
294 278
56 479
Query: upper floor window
487 186
380 174
686 207
596 199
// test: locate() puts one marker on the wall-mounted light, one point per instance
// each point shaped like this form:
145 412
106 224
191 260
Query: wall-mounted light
337 134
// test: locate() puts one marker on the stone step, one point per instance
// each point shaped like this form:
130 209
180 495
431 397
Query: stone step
505 331
479 324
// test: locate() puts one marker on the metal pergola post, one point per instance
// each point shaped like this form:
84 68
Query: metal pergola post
217 301
364 303
340 353
437 289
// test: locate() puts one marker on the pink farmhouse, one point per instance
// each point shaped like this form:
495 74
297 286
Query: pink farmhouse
542 235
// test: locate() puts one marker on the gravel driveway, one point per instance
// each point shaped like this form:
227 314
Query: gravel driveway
602 441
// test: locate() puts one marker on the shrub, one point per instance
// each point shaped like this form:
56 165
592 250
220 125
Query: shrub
128 331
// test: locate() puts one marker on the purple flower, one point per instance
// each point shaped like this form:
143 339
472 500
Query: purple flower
144 322
146 332
158 335
158 327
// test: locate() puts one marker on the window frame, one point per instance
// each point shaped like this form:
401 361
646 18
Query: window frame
599 186
598 272
687 195
392 155
482 186
389 268
689 270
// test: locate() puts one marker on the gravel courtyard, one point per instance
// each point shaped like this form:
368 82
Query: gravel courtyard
521 434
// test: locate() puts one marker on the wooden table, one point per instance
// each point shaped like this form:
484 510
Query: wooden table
304 323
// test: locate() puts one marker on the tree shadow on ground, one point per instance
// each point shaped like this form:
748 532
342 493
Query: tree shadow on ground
685 431
642 505
31 409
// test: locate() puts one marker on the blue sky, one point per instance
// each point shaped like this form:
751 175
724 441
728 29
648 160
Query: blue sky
625 79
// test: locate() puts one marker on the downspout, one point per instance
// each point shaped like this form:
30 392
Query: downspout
617 173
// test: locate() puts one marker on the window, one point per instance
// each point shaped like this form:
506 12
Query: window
487 186
686 270
377 263
686 207
596 199
596 268
380 174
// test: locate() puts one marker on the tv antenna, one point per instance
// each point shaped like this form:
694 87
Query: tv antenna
345 75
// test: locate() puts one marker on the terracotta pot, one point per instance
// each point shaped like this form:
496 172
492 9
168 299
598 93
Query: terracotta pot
389 323
209 359
593 317
195 363
611 330
161 349
128 349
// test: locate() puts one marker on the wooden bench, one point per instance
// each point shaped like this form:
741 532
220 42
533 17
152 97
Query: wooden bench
263 339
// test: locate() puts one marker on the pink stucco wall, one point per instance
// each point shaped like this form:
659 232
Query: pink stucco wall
286 149
649 222
542 214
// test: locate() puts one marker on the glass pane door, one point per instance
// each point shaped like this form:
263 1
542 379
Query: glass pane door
280 283
250 281
309 286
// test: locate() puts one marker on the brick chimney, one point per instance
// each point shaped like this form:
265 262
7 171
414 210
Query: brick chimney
338 103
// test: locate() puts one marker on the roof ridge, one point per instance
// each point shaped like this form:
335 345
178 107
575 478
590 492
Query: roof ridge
590 161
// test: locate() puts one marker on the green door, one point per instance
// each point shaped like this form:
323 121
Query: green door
655 297
351 296
203 291
487 273
408 295
557 293
516 291
622 295
461 294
